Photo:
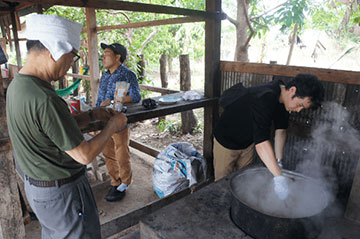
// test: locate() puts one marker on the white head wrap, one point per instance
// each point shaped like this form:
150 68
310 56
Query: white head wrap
57 34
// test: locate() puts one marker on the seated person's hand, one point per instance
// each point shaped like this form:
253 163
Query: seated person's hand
281 186
105 102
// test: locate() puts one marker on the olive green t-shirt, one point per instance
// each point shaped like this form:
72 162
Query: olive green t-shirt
41 129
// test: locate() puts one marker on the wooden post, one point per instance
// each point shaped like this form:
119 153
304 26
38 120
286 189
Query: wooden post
61 83
170 61
212 78
163 78
353 206
163 73
93 53
141 68
75 70
16 38
188 119
39 9
11 221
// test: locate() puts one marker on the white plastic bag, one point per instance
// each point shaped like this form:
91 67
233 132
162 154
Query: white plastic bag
120 92
177 167
191 95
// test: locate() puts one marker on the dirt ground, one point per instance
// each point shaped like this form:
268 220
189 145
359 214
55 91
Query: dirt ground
140 191
146 132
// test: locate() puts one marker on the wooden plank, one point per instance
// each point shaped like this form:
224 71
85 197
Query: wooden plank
144 148
16 38
11 221
157 89
140 113
129 6
137 113
212 78
132 218
78 76
151 23
19 39
5 9
94 69
353 206
337 76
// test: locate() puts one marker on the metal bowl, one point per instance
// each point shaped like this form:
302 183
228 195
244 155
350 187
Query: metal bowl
255 207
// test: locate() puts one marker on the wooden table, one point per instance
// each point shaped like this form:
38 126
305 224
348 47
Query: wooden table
136 112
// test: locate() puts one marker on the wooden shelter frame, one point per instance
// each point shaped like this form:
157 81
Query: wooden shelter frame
10 215
11 219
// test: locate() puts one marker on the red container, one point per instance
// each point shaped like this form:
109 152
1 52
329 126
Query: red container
74 106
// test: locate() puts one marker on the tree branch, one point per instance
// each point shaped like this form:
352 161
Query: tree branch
152 35
266 12
232 20
258 23
248 23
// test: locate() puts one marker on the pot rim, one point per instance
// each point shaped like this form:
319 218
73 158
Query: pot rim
285 172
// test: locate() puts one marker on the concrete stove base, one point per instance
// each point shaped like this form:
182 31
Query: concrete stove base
204 214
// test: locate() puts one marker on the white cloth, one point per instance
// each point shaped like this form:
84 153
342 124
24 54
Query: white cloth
191 95
57 34
281 187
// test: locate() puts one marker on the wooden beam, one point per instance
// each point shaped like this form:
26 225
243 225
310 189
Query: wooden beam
144 148
152 23
337 76
16 38
94 69
85 77
137 112
157 89
19 39
128 6
212 78
5 9
11 221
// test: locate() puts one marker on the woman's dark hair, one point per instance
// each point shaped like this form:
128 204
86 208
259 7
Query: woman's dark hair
35 45
307 85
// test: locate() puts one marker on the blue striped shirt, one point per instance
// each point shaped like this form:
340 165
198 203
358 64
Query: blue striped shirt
108 85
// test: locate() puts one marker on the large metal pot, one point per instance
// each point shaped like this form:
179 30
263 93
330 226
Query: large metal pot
263 222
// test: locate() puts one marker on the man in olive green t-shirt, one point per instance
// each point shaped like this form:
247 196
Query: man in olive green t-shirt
46 139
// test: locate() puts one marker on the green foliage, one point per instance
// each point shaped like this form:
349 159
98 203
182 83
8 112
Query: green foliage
172 126
287 15
326 18
172 40
161 126
198 129
355 17
291 13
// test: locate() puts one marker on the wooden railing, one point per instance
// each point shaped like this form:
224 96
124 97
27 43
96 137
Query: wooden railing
337 76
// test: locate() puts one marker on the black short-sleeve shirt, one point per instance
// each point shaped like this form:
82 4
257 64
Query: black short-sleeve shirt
248 117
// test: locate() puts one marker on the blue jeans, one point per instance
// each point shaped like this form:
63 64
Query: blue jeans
68 211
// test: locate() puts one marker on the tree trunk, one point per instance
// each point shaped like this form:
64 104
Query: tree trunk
292 44
163 77
11 221
163 73
141 68
170 67
188 119
241 51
